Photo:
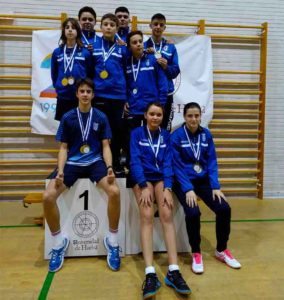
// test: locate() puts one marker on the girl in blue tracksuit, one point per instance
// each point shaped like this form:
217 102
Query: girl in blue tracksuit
110 84
151 172
196 174
69 62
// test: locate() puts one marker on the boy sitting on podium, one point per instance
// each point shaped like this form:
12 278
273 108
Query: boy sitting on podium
84 152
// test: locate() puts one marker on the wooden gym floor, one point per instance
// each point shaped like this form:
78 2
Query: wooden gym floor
257 240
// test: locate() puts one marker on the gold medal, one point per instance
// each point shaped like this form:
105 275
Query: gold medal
71 80
64 81
85 149
104 74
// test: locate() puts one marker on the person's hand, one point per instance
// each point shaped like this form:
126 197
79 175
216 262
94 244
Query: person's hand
162 62
110 176
150 50
59 179
126 109
218 194
191 199
168 199
146 197
121 42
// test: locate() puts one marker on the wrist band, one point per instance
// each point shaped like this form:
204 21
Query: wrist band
109 167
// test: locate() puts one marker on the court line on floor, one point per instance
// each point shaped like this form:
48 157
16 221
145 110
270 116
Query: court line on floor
20 225
46 286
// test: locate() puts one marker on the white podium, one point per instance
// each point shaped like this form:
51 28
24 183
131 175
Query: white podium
132 223
83 211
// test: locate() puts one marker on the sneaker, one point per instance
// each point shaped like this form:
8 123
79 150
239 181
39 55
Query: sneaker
150 285
113 259
174 279
197 263
57 256
227 257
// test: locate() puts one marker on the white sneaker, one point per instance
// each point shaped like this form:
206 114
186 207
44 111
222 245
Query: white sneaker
227 257
197 263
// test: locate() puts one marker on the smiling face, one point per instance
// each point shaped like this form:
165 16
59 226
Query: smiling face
154 117
158 26
87 21
108 28
192 118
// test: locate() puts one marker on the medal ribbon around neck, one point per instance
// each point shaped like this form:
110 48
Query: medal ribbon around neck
150 140
69 61
107 54
86 40
135 71
161 45
85 131
196 153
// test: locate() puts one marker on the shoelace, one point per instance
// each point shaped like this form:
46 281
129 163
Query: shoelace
115 251
177 277
55 253
150 281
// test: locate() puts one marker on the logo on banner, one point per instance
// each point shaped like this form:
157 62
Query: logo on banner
85 224
177 82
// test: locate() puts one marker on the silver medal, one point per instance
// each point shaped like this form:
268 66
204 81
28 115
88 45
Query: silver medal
135 91
158 55
197 168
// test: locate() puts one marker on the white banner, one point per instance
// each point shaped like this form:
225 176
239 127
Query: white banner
195 82
43 92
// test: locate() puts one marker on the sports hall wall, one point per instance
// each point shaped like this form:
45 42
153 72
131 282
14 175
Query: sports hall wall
218 11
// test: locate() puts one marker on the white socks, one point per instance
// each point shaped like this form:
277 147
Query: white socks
57 239
112 238
150 269
173 268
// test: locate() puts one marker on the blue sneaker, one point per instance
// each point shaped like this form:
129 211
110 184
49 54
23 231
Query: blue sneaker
150 285
175 280
57 256
113 259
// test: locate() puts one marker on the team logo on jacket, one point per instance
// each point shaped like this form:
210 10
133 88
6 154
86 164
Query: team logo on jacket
147 62
79 54
119 50
96 126
203 137
165 48
162 140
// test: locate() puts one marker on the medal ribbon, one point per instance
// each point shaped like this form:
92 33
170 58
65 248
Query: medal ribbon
88 43
196 152
85 131
69 61
135 71
107 54
150 140
161 45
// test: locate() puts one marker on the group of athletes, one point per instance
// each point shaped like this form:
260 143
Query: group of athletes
114 86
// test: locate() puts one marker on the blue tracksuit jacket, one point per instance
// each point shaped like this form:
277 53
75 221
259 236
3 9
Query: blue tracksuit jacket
169 52
151 84
143 163
184 160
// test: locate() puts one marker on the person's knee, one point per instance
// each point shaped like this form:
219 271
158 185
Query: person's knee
166 216
192 212
48 198
146 217
224 209
113 191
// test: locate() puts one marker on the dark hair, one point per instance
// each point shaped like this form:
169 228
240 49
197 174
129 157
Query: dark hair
191 105
74 22
81 81
131 34
154 103
158 17
121 9
112 17
87 9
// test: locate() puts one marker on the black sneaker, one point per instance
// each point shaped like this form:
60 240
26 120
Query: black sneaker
150 285
174 279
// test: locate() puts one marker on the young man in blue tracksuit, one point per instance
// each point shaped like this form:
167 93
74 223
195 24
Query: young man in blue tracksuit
146 80
110 84
167 57
122 14
69 62
87 19
196 174
151 171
